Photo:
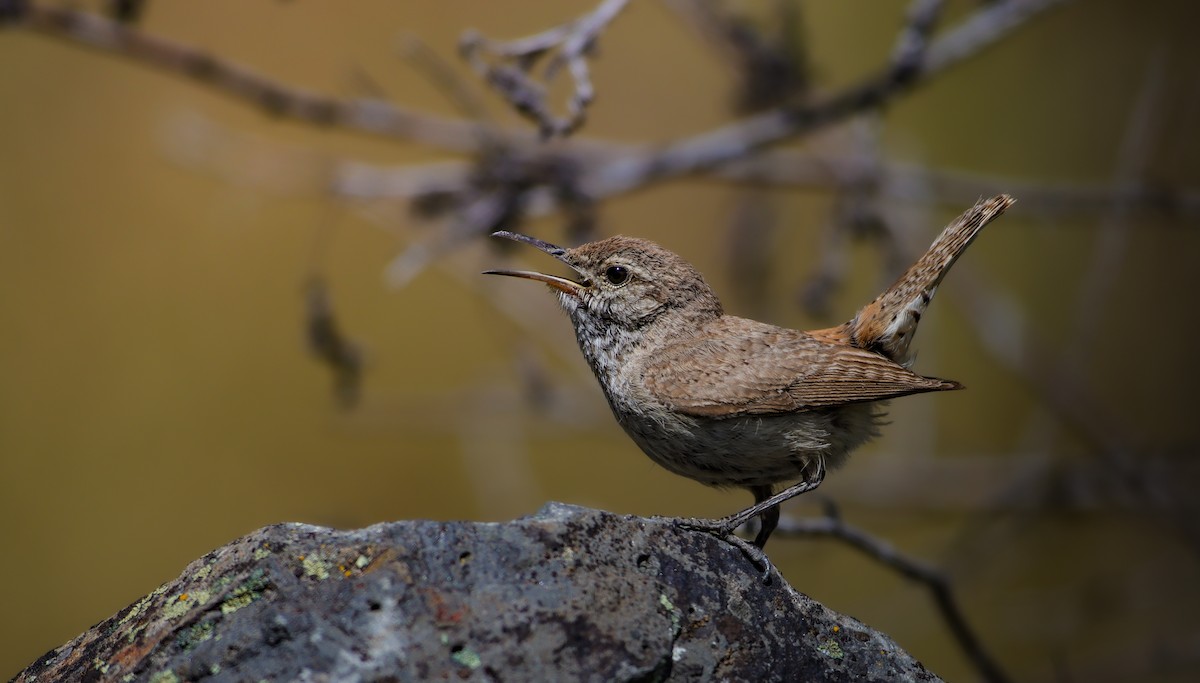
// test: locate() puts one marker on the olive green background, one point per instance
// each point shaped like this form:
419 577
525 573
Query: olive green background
157 399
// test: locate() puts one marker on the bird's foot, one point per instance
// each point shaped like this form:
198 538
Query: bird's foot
724 529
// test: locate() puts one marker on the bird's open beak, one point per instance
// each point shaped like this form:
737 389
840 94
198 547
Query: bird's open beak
562 284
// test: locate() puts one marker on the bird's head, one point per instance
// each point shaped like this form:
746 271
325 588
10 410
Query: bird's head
622 281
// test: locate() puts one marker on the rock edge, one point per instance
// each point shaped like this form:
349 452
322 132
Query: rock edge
569 594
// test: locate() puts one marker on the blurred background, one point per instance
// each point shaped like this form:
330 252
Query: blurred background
214 319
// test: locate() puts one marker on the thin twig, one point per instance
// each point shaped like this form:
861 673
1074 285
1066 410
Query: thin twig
455 89
369 116
509 72
771 63
197 142
856 214
1142 134
329 344
908 55
832 526
686 156
742 138
805 170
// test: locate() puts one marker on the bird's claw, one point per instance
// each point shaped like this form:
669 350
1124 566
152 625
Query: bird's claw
723 529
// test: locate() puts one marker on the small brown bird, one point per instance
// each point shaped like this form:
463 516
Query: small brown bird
734 402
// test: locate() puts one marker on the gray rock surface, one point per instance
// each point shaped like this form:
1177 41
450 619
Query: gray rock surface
567 594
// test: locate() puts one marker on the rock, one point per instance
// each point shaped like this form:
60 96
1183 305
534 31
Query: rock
568 594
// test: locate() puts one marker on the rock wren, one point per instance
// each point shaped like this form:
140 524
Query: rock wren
734 402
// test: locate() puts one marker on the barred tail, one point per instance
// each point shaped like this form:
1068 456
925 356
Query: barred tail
887 324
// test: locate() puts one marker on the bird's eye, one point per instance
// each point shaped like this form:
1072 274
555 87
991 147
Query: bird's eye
617 275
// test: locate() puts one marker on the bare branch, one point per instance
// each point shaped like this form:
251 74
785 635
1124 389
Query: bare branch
510 73
1141 136
687 156
913 41
772 63
742 138
329 344
832 526
368 116
894 180
263 162
440 74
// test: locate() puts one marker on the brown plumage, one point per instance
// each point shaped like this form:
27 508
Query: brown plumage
793 371
734 402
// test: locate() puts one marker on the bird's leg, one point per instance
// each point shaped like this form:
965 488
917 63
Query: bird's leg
767 507
726 525
768 519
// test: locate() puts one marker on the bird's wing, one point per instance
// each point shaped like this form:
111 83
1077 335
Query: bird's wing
736 367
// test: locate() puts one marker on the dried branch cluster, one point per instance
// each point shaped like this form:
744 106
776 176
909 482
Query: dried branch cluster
510 76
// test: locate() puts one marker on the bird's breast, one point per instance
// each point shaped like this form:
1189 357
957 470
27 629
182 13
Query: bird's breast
607 348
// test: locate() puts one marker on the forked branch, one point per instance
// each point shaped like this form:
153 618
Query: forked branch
832 526
508 67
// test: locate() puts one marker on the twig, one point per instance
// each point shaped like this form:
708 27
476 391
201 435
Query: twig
909 53
277 99
126 11
510 75
856 214
895 180
832 526
1027 356
742 138
772 66
1141 137
200 143
330 345
687 156
440 74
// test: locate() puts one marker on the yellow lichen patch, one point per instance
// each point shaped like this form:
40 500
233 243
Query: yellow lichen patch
837 628
262 552
315 567
140 607
676 617
203 572
167 676
100 665
178 606
235 603
467 657
831 648
195 635
136 610
246 593
362 561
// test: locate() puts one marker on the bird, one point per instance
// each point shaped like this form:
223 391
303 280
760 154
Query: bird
733 402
